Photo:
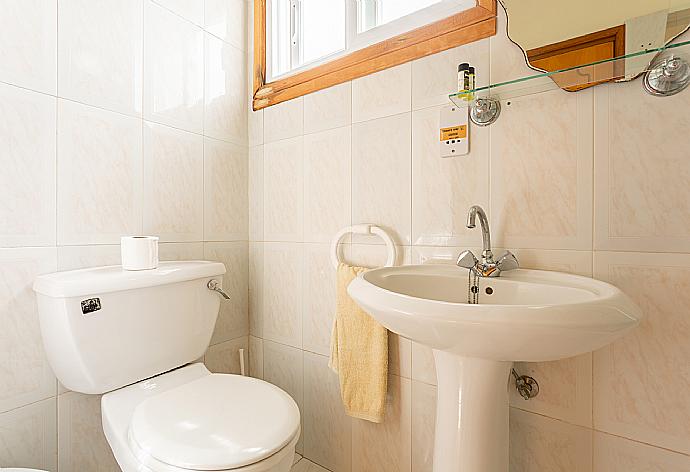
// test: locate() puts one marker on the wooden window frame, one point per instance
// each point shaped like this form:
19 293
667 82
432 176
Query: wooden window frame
468 26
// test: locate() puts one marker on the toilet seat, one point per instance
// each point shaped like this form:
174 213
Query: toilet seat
251 400
217 422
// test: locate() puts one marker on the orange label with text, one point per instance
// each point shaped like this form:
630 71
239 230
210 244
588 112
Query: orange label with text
454 132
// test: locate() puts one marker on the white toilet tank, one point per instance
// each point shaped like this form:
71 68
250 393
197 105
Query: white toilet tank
105 327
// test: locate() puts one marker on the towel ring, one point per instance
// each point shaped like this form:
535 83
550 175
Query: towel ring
364 229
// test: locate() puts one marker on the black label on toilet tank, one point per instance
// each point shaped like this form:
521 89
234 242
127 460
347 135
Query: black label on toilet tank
90 305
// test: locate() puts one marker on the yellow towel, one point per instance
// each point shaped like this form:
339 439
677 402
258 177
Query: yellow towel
359 354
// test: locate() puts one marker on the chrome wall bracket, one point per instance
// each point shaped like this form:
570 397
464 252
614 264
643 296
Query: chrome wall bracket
485 111
667 76
526 386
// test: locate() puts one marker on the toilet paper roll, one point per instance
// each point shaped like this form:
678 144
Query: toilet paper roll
139 252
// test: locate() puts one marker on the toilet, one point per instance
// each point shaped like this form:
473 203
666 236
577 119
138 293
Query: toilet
134 336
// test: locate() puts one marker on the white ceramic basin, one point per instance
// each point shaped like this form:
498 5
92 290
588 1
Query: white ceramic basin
529 315
524 315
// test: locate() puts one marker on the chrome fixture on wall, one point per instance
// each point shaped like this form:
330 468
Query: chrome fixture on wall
667 76
526 386
485 111
487 266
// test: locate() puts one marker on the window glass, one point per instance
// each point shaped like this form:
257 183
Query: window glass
280 37
374 13
323 29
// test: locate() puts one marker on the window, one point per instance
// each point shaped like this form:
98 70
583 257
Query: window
301 46
303 31
307 32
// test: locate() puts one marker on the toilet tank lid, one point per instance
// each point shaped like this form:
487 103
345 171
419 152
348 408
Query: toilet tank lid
99 280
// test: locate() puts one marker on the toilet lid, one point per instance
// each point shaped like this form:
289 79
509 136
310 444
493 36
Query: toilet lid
217 422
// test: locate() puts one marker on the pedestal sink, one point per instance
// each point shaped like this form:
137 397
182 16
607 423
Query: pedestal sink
523 315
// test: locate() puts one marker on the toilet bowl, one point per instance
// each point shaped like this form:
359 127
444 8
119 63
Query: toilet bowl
192 420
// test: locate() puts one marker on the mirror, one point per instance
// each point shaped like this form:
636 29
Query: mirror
572 34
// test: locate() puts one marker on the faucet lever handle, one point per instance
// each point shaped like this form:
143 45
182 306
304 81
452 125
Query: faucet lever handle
507 261
467 260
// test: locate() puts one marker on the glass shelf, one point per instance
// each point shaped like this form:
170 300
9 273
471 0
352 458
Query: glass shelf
575 78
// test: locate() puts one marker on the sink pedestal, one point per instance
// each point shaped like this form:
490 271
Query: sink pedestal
471 414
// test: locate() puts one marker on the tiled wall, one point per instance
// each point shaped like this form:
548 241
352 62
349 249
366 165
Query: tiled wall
116 117
593 183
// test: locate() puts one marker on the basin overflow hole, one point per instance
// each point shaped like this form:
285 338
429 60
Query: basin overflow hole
489 290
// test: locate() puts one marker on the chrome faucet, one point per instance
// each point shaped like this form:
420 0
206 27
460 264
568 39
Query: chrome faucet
487 266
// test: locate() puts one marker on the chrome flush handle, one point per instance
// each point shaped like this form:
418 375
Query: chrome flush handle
214 285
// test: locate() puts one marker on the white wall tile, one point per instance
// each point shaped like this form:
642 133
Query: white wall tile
29 28
224 358
173 189
28 436
256 126
173 70
572 262
327 429
80 257
637 379
256 291
434 77
614 454
27 140
565 389
256 193
541 193
227 19
233 321
538 443
283 366
327 169
636 170
100 53
329 108
319 298
181 251
423 365
192 10
386 447
81 440
225 115
282 293
382 94
99 175
226 203
423 426
440 254
256 357
381 175
26 375
443 189
283 190
284 120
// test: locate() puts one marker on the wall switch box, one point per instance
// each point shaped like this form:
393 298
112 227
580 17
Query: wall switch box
454 131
